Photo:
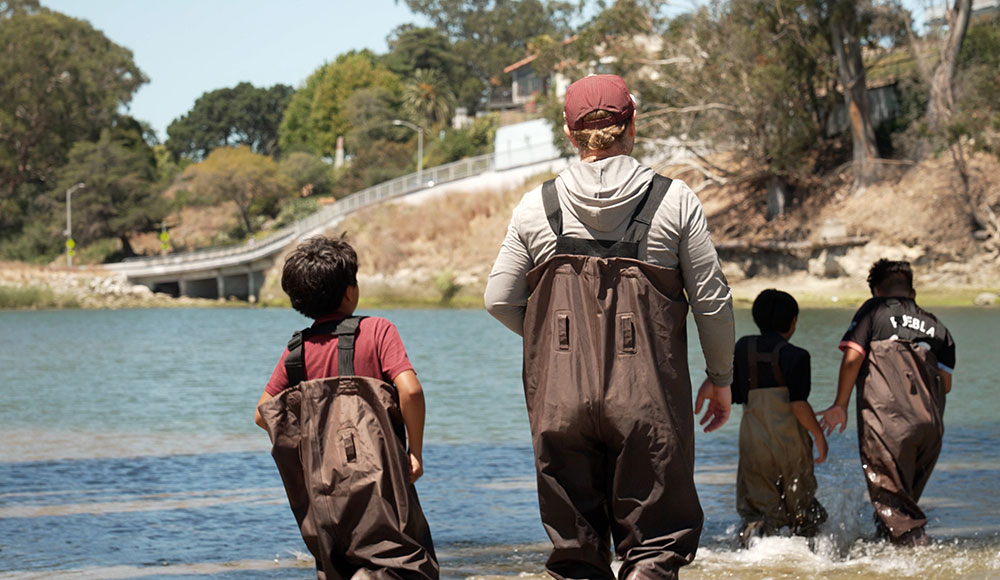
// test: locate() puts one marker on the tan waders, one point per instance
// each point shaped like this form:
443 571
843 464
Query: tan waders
775 485
609 402
900 427
338 445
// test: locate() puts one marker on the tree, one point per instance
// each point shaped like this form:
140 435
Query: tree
309 174
242 115
942 92
120 197
9 8
250 181
491 34
749 78
427 100
856 29
315 116
63 82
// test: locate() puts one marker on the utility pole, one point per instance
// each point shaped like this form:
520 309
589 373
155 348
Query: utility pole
70 244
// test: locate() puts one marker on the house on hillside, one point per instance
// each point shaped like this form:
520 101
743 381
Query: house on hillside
527 83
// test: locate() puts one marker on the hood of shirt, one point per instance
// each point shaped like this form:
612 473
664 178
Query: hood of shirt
603 194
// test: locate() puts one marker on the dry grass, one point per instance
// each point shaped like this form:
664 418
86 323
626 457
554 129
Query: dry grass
442 248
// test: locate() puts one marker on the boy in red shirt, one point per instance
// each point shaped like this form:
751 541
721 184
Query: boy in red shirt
340 422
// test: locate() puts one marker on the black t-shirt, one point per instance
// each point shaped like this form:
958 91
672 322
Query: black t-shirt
794 363
877 320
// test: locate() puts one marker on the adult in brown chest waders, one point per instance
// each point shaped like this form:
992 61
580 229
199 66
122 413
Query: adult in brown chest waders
597 272
338 445
775 485
609 402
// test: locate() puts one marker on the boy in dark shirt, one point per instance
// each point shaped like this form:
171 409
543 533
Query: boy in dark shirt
775 485
340 406
901 357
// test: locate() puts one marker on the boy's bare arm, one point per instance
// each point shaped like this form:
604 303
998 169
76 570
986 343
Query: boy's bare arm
836 414
256 413
413 408
807 418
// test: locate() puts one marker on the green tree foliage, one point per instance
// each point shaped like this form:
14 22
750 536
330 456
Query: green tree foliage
120 197
427 99
250 181
242 115
373 165
62 82
476 139
9 8
316 114
978 87
492 34
412 49
309 174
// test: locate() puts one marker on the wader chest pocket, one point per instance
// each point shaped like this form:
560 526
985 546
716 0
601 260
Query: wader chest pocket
350 451
562 330
626 334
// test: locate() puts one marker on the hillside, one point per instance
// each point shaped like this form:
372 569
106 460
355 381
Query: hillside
443 248
439 249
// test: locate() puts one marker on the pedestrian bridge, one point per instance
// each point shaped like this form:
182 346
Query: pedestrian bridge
238 271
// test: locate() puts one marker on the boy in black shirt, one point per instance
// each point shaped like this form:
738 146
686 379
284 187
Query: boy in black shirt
901 358
775 485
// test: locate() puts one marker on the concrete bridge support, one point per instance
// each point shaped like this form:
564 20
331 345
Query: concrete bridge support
242 282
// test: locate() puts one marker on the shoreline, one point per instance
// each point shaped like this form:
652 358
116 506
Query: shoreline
26 287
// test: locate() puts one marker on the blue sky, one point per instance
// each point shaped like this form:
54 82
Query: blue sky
188 47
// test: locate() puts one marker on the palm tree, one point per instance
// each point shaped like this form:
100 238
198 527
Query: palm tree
426 98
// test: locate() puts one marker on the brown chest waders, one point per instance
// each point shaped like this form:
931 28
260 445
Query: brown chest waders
609 401
900 406
339 446
775 484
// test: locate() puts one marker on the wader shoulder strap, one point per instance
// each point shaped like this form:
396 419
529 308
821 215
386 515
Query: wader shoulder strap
550 202
346 333
346 330
641 218
773 358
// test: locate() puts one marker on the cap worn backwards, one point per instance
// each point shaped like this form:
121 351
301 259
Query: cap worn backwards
597 93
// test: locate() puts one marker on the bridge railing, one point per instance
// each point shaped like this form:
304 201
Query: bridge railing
399 186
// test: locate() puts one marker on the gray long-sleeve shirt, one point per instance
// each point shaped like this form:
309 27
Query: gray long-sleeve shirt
598 200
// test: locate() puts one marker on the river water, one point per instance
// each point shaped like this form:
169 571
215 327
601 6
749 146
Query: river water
129 451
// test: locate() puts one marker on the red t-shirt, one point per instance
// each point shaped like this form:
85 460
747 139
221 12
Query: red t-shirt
378 353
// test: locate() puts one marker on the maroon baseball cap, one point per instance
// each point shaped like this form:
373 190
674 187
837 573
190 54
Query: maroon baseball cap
597 93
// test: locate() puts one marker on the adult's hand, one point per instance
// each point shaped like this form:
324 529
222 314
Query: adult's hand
720 400
831 417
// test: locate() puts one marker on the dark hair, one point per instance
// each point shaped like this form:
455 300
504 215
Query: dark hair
890 277
317 274
774 310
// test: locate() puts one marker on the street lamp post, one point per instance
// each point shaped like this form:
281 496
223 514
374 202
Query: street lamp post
420 147
69 223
